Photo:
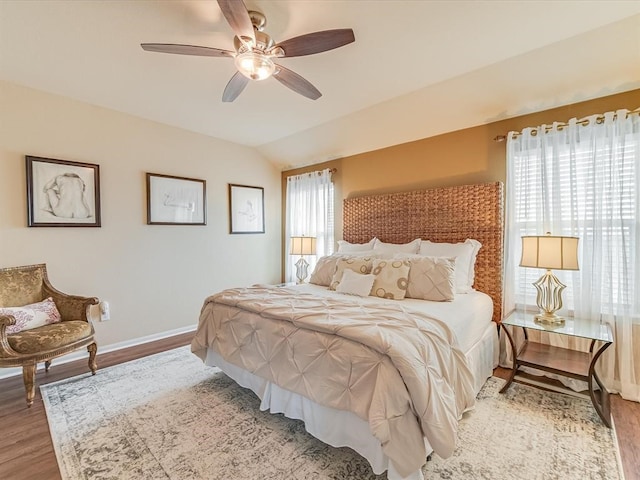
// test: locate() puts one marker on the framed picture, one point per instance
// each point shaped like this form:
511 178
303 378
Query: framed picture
61 193
175 200
246 209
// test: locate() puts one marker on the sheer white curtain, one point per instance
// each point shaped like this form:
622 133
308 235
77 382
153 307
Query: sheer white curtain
309 213
582 179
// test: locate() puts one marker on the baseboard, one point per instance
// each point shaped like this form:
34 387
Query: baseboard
80 354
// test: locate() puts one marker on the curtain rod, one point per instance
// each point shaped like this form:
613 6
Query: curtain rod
561 125
319 172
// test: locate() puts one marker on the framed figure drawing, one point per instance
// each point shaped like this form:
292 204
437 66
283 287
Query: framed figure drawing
246 209
175 200
61 193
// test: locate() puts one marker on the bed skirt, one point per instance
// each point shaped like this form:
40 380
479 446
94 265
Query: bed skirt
341 428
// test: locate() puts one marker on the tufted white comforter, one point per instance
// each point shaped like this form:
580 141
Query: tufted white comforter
398 369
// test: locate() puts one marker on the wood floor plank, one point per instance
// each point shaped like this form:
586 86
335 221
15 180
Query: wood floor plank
26 450
626 417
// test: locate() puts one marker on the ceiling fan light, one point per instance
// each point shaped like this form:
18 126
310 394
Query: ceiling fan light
255 65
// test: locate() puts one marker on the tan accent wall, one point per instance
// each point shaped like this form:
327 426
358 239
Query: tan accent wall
456 158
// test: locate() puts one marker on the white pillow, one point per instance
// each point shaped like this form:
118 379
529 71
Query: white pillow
411 247
354 283
32 316
465 253
346 247
432 278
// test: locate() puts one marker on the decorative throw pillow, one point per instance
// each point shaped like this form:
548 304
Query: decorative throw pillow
411 247
354 283
357 264
465 253
346 247
32 316
392 278
326 266
324 270
432 278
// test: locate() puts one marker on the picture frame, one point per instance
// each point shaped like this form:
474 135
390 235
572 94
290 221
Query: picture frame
62 193
246 209
175 200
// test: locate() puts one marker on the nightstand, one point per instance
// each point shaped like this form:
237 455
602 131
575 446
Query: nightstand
285 284
563 361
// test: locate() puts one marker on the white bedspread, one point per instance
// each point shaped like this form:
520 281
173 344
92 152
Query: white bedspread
388 363
467 315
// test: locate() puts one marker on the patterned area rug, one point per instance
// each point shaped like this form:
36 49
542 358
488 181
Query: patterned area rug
169 417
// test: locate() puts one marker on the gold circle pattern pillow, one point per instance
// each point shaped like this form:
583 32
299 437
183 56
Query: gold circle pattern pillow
392 278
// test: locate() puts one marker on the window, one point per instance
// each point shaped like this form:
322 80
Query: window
588 189
309 212
582 179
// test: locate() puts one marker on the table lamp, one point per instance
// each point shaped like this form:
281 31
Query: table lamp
302 246
550 252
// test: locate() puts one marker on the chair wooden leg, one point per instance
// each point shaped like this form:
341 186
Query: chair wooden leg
93 349
29 377
47 364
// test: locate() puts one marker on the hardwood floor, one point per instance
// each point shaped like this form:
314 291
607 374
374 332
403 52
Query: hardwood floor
26 451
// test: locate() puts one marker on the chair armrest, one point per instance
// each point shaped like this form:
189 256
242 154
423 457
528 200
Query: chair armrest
5 348
71 307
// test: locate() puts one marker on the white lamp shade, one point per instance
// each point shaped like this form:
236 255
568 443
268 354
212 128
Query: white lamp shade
557 253
303 246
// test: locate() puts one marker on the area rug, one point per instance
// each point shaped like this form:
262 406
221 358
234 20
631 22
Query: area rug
167 416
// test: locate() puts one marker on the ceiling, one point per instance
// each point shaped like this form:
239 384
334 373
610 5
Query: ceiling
416 69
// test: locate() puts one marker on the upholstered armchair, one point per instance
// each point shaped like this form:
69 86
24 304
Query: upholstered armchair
65 326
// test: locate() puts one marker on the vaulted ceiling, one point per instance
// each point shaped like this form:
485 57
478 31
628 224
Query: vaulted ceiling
416 69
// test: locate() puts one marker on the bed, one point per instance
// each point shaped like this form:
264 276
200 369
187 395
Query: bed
304 352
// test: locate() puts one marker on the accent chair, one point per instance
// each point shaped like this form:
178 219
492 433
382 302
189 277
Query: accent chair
50 323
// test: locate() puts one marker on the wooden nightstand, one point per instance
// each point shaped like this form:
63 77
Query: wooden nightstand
563 361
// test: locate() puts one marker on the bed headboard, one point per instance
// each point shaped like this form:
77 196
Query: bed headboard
448 214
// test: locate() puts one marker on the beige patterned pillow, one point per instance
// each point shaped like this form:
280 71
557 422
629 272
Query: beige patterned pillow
392 278
357 264
432 278
465 253
324 270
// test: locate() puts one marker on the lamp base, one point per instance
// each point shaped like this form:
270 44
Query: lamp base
549 299
302 268
548 319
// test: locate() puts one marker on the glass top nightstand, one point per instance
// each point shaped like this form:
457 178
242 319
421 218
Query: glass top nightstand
562 361
572 327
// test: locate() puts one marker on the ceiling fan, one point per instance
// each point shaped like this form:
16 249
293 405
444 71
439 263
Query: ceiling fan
256 51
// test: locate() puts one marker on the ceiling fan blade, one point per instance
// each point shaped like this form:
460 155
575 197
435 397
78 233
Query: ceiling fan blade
186 50
238 18
296 83
234 87
316 42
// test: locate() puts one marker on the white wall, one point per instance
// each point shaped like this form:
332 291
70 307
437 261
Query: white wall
154 277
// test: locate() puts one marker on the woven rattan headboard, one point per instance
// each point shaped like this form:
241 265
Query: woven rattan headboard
449 214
